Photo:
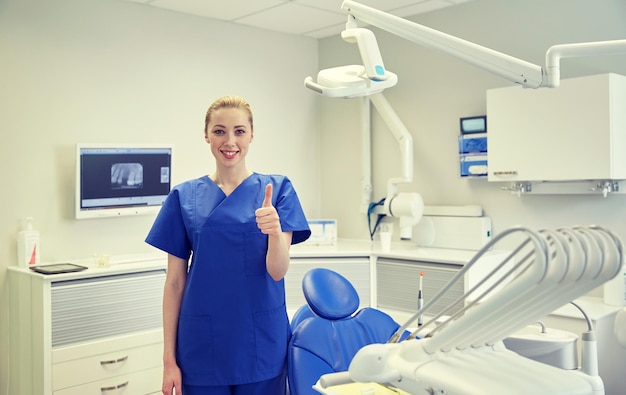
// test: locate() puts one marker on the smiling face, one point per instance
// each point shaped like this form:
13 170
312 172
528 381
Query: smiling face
229 133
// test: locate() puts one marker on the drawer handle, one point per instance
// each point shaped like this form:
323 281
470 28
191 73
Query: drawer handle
114 387
114 361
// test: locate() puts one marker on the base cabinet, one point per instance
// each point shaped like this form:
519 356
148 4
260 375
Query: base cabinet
111 366
94 332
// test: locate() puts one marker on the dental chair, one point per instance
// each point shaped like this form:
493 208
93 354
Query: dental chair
328 332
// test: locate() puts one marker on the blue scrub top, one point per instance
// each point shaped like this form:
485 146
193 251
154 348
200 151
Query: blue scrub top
233 326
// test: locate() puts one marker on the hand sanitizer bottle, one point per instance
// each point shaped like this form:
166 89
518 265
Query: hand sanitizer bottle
28 251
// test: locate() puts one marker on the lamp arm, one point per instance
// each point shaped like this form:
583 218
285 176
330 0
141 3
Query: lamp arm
409 207
400 133
511 68
556 52
405 142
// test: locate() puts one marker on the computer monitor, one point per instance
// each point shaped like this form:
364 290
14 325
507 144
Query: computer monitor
121 179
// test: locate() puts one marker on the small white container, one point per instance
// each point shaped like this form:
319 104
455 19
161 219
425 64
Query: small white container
385 241
102 260
28 249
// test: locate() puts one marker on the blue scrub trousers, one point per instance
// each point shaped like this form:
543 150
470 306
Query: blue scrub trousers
275 386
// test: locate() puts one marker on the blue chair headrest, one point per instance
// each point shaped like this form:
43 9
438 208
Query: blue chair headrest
329 294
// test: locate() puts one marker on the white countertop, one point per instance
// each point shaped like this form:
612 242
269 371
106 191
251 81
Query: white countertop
594 307
120 264
399 250
344 248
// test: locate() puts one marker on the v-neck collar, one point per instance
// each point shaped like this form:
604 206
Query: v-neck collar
227 194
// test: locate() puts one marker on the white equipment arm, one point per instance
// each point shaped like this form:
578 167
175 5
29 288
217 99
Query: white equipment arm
408 206
519 71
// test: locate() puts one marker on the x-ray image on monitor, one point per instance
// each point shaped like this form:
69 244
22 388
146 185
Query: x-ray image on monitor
126 175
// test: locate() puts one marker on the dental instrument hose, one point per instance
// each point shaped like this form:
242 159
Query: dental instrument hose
589 347
370 210
420 301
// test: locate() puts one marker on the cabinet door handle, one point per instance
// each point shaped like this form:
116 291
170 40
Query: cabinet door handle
114 387
114 361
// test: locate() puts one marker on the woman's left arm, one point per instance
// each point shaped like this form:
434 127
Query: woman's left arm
277 258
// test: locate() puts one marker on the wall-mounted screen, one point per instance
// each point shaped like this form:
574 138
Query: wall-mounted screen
471 125
117 180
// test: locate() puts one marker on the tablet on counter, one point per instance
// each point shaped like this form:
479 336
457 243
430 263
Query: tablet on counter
57 268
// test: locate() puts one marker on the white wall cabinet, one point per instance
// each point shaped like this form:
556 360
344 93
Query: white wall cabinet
574 132
94 332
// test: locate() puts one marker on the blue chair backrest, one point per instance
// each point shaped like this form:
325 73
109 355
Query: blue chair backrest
300 315
327 341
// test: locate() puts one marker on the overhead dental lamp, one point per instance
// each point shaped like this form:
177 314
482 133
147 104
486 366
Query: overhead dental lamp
355 80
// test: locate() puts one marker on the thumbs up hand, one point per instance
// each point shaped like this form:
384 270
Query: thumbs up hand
266 216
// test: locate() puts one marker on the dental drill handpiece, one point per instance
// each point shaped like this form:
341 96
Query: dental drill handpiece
420 300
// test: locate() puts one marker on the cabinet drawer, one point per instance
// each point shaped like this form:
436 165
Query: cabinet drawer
106 366
143 382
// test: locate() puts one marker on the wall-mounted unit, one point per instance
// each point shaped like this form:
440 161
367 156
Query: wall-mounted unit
571 135
473 146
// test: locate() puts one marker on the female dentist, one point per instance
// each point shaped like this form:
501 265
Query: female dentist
225 323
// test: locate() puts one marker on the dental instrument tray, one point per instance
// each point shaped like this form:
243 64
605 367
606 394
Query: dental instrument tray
57 268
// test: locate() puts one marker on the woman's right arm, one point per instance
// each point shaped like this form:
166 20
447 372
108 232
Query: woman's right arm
172 296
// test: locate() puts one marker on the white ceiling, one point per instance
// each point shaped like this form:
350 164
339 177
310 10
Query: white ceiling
312 18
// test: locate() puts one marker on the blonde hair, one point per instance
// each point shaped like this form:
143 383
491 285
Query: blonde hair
228 102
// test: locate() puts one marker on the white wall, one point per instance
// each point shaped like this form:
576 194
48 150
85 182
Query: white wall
435 90
113 71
